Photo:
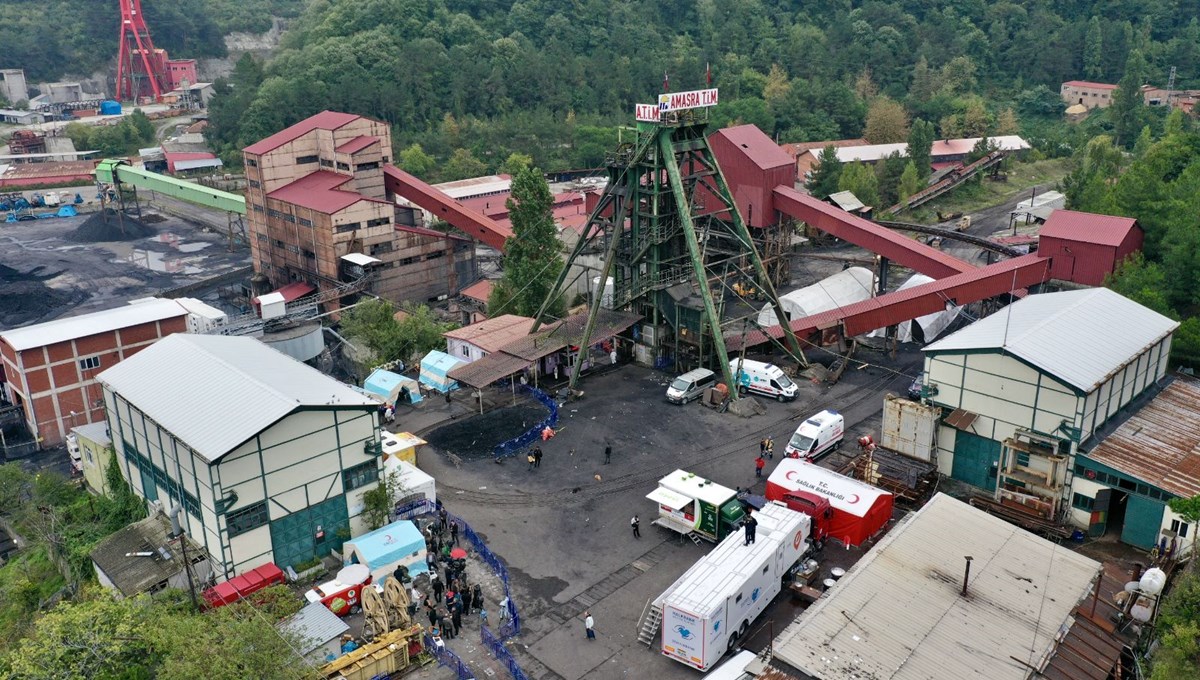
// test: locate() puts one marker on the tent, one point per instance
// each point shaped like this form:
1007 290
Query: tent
846 287
929 326
434 369
415 485
389 385
399 543
859 509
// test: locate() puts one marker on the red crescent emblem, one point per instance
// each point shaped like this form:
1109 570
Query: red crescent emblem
789 475
799 538
852 498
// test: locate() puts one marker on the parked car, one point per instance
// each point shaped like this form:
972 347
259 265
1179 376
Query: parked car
914 390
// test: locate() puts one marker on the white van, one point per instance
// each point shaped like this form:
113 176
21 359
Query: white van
690 385
764 378
817 436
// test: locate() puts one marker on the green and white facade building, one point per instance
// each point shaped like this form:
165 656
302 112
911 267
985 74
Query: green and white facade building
268 457
1054 366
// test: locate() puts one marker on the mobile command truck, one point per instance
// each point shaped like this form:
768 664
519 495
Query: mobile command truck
691 504
712 605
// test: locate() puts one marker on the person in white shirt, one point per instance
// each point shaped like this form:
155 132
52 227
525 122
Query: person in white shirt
589 625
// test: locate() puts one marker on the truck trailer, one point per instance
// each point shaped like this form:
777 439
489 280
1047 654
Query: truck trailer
708 609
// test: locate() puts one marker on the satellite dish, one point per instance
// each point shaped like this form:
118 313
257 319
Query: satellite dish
354 574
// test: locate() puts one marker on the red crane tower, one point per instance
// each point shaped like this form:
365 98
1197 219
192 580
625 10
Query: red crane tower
140 67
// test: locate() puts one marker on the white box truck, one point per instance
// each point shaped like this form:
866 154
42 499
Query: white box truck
708 609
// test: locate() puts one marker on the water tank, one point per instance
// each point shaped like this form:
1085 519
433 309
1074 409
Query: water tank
1153 581
606 300
110 108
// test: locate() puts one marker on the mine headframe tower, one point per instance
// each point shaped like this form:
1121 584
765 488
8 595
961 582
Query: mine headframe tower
140 67
667 220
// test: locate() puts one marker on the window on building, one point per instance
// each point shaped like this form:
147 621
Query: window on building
88 454
1082 502
466 351
381 222
305 223
261 236
408 260
254 184
256 207
89 364
326 164
278 243
343 166
271 212
1023 459
343 228
251 162
380 248
360 475
288 217
1180 528
247 519
305 160
366 166
435 255
309 254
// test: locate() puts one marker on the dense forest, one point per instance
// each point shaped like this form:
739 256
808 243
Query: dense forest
53 39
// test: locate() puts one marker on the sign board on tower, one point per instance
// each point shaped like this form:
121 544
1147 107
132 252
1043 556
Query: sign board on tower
647 113
695 99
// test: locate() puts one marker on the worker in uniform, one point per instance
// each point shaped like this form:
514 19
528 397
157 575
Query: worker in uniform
751 525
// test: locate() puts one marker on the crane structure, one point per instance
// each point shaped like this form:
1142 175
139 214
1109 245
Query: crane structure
139 64
668 228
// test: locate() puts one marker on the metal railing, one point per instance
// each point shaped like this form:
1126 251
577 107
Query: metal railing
518 443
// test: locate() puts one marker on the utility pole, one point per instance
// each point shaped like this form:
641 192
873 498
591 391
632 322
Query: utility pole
177 532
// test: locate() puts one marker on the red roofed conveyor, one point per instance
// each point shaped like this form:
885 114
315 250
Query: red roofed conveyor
478 225
958 282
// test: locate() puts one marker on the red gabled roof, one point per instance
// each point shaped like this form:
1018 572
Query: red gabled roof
480 290
1088 83
325 120
296 290
319 191
357 144
756 146
1071 225
797 148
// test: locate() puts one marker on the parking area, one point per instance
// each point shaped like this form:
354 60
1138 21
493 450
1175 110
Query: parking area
563 528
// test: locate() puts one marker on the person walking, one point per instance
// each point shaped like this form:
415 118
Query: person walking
589 625
532 458
637 526
482 617
759 464
447 623
438 587
537 456
477 596
431 612
751 525
762 446
467 600
456 618
454 533
443 518
503 610
770 448
607 454
449 574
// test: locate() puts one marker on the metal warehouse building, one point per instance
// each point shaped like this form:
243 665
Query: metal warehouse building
268 457
1123 483
1055 365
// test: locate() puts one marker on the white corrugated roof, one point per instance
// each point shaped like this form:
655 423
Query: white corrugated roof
899 613
313 626
70 328
214 392
1078 336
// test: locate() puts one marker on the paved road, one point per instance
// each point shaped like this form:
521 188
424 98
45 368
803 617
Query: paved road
563 529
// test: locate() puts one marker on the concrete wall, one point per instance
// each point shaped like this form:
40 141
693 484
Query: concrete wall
96 459
1091 97
461 349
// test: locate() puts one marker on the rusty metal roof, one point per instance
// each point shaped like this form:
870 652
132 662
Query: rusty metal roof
493 334
1092 645
483 372
569 331
1160 444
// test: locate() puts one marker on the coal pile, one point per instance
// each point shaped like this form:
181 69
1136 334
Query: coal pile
107 226
477 435
25 299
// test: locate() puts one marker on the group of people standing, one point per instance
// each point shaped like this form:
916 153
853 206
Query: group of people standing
451 597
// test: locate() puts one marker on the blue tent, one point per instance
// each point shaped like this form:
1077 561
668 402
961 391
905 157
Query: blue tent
434 368
388 386
381 550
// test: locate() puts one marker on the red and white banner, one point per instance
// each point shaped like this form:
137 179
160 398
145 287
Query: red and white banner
647 113
695 99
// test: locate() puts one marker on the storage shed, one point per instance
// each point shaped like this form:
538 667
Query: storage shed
1085 247
434 369
859 510
398 543
843 288
317 631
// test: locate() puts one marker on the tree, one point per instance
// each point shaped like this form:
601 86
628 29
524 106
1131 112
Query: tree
923 82
864 85
887 122
533 255
975 121
920 146
515 162
889 173
825 174
1128 110
910 182
374 323
1143 282
860 180
1188 510
958 75
1007 124
415 161
378 502
462 165
1093 50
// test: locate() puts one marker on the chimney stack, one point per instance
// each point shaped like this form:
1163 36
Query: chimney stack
967 575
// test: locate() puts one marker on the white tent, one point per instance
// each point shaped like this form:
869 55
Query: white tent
414 483
843 288
931 325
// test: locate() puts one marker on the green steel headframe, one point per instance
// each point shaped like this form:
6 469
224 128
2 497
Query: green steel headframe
657 230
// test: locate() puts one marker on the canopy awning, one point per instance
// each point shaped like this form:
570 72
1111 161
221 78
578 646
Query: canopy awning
668 498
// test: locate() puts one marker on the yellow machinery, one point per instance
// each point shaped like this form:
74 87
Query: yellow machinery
389 653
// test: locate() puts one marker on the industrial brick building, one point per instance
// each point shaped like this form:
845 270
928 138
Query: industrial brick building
50 368
1086 247
316 192
1089 94
268 457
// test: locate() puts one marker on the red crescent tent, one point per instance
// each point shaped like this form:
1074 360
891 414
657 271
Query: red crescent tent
859 509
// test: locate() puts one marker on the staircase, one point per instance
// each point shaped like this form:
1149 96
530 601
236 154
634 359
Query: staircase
695 538
650 622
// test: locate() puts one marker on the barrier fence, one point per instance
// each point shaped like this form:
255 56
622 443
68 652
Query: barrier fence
446 657
496 646
516 444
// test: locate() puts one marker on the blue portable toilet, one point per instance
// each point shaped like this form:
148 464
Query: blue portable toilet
109 107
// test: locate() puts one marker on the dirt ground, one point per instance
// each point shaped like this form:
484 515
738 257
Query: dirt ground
60 267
